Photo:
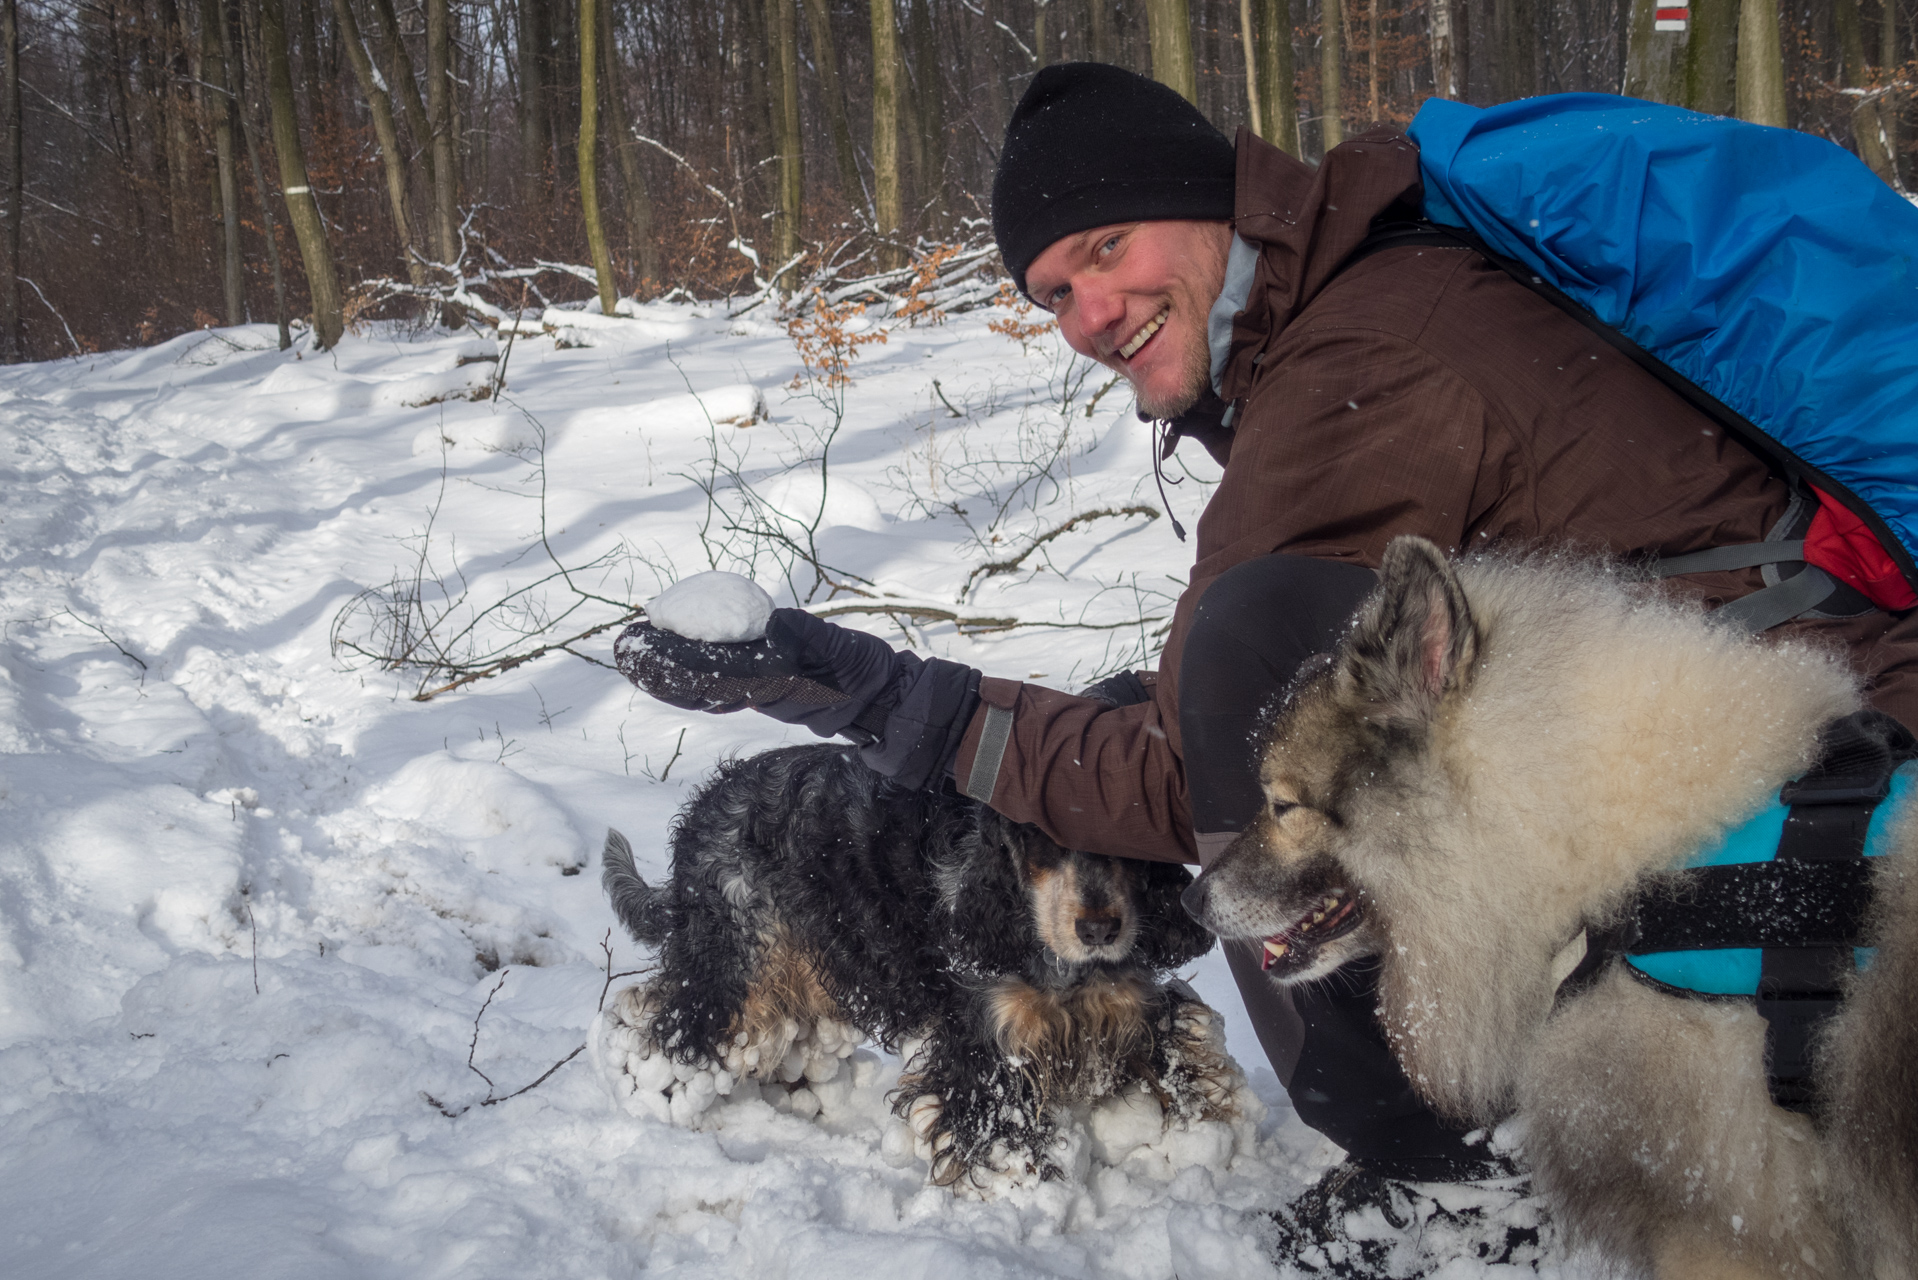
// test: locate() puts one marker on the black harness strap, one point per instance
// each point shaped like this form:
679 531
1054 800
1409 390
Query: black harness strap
1806 909
1800 985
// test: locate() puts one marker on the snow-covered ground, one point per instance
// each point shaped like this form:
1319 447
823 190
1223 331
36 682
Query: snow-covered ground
253 895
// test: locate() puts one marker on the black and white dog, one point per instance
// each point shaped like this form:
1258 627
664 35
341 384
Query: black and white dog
812 904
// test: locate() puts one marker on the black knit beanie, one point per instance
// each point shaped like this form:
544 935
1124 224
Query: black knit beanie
1091 144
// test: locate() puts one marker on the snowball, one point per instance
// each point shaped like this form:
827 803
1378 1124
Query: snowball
719 607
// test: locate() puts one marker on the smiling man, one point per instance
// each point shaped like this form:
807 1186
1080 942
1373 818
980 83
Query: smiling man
1353 390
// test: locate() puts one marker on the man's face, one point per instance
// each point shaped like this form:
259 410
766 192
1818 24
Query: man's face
1134 296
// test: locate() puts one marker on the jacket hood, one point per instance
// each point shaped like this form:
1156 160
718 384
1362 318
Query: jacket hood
1305 223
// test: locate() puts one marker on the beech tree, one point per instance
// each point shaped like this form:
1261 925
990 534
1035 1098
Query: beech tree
303 211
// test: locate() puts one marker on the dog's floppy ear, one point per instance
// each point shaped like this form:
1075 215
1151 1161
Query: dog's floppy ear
1168 935
1415 640
988 911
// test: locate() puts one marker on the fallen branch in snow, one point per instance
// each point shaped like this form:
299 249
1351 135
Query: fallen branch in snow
1012 564
970 626
493 1095
424 620
506 664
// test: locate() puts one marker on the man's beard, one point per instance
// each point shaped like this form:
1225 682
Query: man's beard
1197 366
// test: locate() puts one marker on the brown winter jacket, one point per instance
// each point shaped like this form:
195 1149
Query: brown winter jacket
1419 391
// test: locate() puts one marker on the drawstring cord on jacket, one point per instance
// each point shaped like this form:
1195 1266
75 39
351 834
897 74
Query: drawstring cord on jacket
1163 442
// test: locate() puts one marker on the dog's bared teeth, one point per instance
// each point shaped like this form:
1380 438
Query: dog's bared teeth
1318 916
1331 901
1274 950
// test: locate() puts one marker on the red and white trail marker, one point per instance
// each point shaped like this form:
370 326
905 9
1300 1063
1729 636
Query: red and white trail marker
1671 19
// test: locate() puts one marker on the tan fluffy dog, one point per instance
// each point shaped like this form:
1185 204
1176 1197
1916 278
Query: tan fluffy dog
1498 755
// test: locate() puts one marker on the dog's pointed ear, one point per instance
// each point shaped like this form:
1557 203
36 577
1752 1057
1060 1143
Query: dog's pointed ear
1415 640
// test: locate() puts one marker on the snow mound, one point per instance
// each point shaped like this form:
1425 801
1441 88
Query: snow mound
806 499
718 607
503 821
738 405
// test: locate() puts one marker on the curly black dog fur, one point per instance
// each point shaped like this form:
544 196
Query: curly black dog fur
805 887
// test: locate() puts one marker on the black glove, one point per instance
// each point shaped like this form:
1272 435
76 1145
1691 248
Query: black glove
907 713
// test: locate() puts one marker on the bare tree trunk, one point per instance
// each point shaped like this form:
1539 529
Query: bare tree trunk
1711 57
401 78
222 107
439 112
1866 130
589 154
632 174
1655 61
1248 37
309 64
1445 76
173 75
825 59
885 130
1169 23
929 84
1331 70
237 38
1887 109
1099 30
787 221
322 280
1039 58
533 132
373 85
12 350
1515 73
1279 103
1372 60
1761 64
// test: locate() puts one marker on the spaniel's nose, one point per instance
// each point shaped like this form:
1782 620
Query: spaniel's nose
1098 931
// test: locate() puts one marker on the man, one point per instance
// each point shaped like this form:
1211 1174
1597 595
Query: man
1415 389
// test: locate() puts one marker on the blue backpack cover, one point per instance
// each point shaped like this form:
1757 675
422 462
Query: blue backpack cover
1768 267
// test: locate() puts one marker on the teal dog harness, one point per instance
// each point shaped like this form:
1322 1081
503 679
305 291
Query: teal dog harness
1775 911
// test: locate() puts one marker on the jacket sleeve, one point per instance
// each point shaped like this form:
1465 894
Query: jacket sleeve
1092 776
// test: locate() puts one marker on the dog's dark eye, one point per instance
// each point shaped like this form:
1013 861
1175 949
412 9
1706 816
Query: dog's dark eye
1282 807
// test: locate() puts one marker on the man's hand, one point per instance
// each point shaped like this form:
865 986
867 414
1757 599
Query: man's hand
906 713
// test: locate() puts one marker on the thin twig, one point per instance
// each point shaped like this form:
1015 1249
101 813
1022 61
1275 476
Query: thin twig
246 900
56 314
1100 393
521 659
969 626
941 393
606 945
647 767
1012 564
493 1096
125 652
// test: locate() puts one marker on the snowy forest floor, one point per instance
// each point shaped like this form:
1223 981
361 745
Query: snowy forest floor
254 896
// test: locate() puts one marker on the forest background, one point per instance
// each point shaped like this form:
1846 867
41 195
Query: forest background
174 164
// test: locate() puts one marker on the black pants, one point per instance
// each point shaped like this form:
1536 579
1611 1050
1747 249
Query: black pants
1254 629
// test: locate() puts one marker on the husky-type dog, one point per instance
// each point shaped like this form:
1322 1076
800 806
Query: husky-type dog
1500 755
812 904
